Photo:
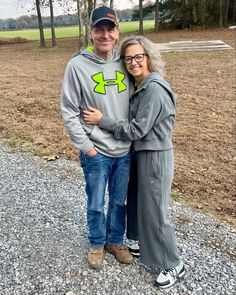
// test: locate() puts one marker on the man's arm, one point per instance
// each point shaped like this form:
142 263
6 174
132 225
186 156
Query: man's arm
70 110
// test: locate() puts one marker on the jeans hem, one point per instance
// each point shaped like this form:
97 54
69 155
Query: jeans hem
96 246
115 243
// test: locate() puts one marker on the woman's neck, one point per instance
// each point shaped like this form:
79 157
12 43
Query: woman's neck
139 80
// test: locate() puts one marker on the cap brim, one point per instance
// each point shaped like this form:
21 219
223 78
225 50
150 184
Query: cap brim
102 19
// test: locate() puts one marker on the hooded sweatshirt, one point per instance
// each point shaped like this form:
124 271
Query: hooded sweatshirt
103 84
152 116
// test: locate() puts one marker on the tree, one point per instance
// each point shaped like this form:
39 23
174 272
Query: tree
40 23
54 42
234 11
157 15
226 12
84 9
86 22
221 13
112 4
80 24
89 11
141 17
202 13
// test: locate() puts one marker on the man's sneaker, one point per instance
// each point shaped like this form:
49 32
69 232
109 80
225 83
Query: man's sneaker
120 252
168 277
134 250
95 257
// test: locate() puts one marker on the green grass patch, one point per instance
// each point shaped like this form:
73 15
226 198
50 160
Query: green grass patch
19 143
66 32
129 27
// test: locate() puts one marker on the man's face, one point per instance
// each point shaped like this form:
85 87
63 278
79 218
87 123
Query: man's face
104 37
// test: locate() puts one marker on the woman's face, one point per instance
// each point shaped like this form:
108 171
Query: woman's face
136 62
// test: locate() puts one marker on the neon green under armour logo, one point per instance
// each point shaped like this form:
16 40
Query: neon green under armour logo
101 83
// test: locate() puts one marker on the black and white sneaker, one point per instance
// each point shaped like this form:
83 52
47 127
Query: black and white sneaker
134 250
168 277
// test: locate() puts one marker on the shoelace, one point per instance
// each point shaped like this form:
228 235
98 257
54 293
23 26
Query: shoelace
172 271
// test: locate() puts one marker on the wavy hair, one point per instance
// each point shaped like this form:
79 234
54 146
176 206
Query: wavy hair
155 61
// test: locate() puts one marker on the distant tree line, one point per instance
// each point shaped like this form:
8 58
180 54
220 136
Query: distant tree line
27 22
173 14
177 14
31 22
188 13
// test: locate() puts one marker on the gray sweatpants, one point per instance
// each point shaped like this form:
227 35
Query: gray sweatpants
147 208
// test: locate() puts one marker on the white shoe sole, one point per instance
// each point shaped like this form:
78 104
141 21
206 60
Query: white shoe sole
179 276
135 253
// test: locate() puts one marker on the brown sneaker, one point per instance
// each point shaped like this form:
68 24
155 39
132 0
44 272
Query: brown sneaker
95 257
120 252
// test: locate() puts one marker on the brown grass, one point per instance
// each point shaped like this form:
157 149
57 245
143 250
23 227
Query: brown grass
204 136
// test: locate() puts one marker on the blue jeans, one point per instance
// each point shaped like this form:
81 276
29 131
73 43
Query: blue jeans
98 171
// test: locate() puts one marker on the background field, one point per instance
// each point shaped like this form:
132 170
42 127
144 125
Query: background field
204 136
65 32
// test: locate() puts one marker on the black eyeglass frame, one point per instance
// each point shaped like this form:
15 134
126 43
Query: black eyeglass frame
133 57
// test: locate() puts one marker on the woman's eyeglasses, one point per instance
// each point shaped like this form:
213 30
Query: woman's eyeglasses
138 58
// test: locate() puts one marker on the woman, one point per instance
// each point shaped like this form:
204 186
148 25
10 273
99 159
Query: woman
152 116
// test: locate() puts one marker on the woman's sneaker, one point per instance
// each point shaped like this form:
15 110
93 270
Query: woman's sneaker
134 250
168 277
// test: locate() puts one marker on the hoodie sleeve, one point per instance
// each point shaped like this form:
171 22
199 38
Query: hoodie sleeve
70 103
150 112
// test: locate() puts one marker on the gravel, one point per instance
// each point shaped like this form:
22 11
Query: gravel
43 244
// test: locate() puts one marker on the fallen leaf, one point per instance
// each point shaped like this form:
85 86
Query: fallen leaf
51 158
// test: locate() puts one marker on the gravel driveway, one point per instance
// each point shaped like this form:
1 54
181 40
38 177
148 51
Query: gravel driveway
43 239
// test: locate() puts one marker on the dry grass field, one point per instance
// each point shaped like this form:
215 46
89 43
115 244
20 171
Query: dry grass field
204 136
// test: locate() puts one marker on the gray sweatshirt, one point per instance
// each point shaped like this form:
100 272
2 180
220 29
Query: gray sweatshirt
105 85
152 116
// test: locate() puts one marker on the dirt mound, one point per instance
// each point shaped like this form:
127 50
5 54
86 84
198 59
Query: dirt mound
16 40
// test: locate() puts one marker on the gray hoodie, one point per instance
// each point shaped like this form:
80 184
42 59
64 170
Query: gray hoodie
105 85
152 116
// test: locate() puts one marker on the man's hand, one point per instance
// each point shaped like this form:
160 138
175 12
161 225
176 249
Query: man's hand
92 116
91 152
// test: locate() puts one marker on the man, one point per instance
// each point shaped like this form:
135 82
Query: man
96 77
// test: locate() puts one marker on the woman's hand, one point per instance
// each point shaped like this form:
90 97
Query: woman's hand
92 116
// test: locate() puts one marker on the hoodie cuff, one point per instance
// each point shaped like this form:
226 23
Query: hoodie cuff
86 147
107 123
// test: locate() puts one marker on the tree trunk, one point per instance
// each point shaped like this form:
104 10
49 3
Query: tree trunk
80 24
40 23
54 41
90 7
203 13
234 14
221 14
112 3
157 15
86 23
226 12
141 17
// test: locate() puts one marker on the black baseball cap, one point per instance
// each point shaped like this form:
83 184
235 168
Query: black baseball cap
103 13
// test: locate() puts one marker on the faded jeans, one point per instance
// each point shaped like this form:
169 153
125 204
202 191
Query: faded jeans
100 170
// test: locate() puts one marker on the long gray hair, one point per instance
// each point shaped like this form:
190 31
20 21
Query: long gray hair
155 61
